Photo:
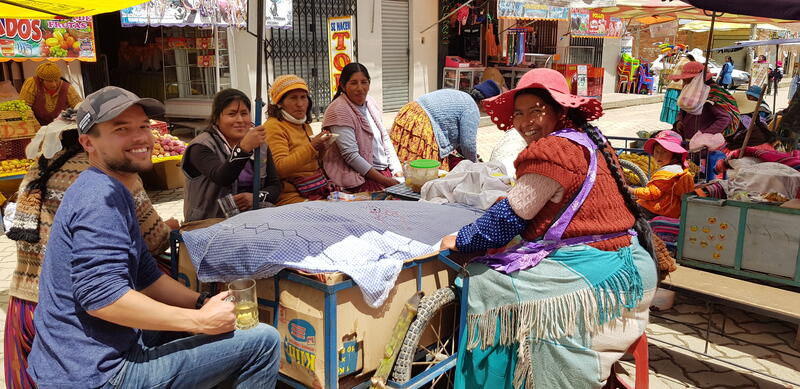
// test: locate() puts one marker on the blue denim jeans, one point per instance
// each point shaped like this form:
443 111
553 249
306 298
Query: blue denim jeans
246 358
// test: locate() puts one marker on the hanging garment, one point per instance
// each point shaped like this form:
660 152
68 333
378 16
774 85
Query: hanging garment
491 42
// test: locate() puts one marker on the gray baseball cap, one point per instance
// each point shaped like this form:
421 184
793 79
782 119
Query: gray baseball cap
108 103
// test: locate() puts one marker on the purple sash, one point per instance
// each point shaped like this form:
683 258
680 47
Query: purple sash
528 254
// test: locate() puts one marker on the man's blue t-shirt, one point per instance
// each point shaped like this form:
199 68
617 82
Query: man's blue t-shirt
95 255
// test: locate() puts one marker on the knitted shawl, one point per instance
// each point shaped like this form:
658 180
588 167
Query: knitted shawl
35 214
725 100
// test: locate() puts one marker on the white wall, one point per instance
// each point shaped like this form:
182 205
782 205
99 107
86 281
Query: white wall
612 48
243 57
71 71
424 47
368 36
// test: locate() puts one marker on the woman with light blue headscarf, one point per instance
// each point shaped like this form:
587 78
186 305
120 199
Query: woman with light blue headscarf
441 125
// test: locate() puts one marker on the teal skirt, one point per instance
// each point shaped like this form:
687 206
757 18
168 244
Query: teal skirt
561 324
669 110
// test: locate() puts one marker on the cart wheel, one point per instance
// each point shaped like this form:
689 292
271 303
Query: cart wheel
637 171
431 316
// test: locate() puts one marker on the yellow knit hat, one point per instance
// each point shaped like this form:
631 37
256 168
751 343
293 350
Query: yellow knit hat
48 71
285 84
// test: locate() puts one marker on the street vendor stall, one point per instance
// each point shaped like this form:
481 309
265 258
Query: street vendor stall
193 46
333 278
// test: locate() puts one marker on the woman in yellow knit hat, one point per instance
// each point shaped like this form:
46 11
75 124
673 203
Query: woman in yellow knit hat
295 152
48 94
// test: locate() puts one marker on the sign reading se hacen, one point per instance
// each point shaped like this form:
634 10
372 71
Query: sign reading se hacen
340 47
67 39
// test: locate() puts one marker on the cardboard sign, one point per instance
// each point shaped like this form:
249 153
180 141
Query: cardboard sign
340 47
62 39
585 23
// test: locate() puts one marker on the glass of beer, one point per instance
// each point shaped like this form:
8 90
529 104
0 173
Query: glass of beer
243 295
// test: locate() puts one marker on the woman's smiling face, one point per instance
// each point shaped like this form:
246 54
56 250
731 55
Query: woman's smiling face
533 117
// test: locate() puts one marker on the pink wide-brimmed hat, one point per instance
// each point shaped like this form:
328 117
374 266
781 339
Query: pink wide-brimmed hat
690 70
501 108
669 140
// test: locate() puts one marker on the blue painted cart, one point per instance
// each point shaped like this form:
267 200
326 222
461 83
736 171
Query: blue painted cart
339 295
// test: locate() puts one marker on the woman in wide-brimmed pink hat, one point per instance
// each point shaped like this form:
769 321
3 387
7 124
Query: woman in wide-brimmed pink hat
578 267
710 110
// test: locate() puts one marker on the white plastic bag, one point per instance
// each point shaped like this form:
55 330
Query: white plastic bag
475 184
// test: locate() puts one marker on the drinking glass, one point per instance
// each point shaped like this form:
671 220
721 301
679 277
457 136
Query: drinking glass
243 295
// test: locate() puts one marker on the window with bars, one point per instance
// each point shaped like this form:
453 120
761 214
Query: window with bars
303 49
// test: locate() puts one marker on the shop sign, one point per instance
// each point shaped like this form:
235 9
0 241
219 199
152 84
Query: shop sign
61 39
530 9
221 13
586 23
340 47
278 14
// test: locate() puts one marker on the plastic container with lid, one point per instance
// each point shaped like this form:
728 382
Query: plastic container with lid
420 171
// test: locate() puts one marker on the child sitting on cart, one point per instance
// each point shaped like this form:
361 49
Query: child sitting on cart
662 195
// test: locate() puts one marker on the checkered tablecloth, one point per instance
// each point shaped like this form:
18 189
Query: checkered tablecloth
367 240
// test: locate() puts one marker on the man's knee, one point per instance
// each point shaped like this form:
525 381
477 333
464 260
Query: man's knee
263 339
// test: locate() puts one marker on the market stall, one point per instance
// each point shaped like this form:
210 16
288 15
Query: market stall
189 56
56 40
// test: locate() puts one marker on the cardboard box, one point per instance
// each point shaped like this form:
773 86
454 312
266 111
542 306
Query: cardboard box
14 126
166 174
361 331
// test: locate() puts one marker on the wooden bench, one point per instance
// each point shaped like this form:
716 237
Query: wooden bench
748 296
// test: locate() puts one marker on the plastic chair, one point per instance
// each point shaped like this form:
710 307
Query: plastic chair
645 80
625 79
641 358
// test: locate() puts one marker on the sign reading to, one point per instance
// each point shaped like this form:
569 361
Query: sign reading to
340 47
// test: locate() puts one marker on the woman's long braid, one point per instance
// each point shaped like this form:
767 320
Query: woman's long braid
641 225
47 168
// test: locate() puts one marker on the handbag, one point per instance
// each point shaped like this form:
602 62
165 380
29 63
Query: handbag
312 187
694 95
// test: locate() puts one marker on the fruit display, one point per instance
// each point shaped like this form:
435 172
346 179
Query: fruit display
167 145
19 106
60 43
12 166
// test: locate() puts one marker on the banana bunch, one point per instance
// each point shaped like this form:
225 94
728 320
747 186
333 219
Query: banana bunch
15 165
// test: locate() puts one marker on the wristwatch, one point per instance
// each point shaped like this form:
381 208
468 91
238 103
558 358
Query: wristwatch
201 300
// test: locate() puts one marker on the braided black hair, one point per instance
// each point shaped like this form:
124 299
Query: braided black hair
71 147
642 225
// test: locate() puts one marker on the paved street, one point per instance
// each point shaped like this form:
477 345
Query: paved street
670 367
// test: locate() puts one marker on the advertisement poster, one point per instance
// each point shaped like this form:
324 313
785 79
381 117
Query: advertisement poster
527 9
278 14
585 23
582 80
340 47
67 39
186 13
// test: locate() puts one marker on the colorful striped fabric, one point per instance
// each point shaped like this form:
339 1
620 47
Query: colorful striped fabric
18 342
791 159
725 100
666 228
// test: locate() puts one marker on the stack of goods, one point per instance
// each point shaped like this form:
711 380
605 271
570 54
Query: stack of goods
167 145
13 167
647 164
16 120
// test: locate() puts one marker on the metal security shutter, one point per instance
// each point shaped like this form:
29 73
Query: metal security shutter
395 54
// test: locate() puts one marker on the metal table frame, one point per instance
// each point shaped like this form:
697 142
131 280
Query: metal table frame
331 291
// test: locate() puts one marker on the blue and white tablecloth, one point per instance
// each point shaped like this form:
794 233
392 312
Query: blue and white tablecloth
367 240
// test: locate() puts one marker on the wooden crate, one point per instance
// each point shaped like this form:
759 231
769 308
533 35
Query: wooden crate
15 126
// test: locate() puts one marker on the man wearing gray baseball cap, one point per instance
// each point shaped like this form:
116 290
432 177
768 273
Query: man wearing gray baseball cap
100 287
